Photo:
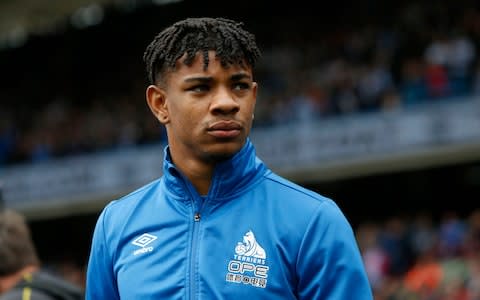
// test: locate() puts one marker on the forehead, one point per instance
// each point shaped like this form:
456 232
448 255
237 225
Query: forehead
213 64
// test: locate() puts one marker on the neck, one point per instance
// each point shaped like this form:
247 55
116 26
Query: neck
198 172
9 281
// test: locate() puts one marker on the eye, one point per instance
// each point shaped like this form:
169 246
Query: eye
241 86
200 88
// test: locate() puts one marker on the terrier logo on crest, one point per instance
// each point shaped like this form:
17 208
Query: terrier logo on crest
250 247
248 265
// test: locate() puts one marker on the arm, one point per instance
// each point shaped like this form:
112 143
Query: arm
329 264
101 282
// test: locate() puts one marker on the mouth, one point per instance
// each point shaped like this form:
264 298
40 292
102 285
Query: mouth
225 129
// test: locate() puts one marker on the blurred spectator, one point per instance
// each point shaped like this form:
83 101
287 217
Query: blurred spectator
438 51
437 81
444 256
374 82
394 240
423 235
425 276
452 234
21 275
413 88
374 256
460 62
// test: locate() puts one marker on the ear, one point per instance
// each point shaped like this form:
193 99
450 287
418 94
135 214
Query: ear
156 100
255 89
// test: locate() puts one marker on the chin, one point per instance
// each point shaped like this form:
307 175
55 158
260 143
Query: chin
223 151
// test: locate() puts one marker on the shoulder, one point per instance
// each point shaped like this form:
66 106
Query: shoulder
115 216
121 207
301 201
287 189
19 294
44 286
53 282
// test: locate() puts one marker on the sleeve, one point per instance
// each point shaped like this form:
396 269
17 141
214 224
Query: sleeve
329 264
101 282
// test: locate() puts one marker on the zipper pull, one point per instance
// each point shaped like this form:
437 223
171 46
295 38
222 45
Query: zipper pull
196 217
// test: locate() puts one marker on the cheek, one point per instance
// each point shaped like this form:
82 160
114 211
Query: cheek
249 109
183 119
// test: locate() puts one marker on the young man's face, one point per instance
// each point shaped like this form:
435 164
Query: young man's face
208 113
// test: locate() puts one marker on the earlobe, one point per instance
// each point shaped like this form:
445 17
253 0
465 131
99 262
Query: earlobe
156 101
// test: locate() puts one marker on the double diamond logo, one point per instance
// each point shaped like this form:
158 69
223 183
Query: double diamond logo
144 240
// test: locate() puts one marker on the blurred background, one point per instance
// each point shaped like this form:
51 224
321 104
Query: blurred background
374 104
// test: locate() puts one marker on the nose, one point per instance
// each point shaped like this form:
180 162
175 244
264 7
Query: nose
224 102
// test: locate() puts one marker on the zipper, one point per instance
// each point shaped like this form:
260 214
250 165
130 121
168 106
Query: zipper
197 206
193 257
196 217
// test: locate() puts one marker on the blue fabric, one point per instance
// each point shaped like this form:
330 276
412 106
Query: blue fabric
259 236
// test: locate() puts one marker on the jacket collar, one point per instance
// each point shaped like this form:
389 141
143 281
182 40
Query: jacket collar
230 176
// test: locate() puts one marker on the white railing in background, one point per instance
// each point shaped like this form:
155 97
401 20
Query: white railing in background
340 141
303 151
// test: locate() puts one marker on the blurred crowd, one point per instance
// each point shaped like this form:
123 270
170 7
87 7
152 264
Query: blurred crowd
419 258
425 53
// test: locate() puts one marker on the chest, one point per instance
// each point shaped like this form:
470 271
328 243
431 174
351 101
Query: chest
229 251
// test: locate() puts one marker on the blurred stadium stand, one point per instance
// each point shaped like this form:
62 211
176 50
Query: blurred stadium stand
358 100
75 131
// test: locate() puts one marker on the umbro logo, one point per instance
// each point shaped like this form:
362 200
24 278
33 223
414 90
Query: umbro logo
142 241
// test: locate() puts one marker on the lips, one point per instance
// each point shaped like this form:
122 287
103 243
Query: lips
225 125
225 129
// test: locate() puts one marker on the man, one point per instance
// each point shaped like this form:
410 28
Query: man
218 224
21 277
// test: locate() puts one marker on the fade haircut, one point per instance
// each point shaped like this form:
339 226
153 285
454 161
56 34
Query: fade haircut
16 245
232 44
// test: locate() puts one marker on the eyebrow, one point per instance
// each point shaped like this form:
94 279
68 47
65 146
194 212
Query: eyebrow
240 76
208 79
203 79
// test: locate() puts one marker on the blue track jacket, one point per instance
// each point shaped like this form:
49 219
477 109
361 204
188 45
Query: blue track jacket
254 236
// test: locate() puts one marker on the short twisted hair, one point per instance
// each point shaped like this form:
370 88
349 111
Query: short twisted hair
232 44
